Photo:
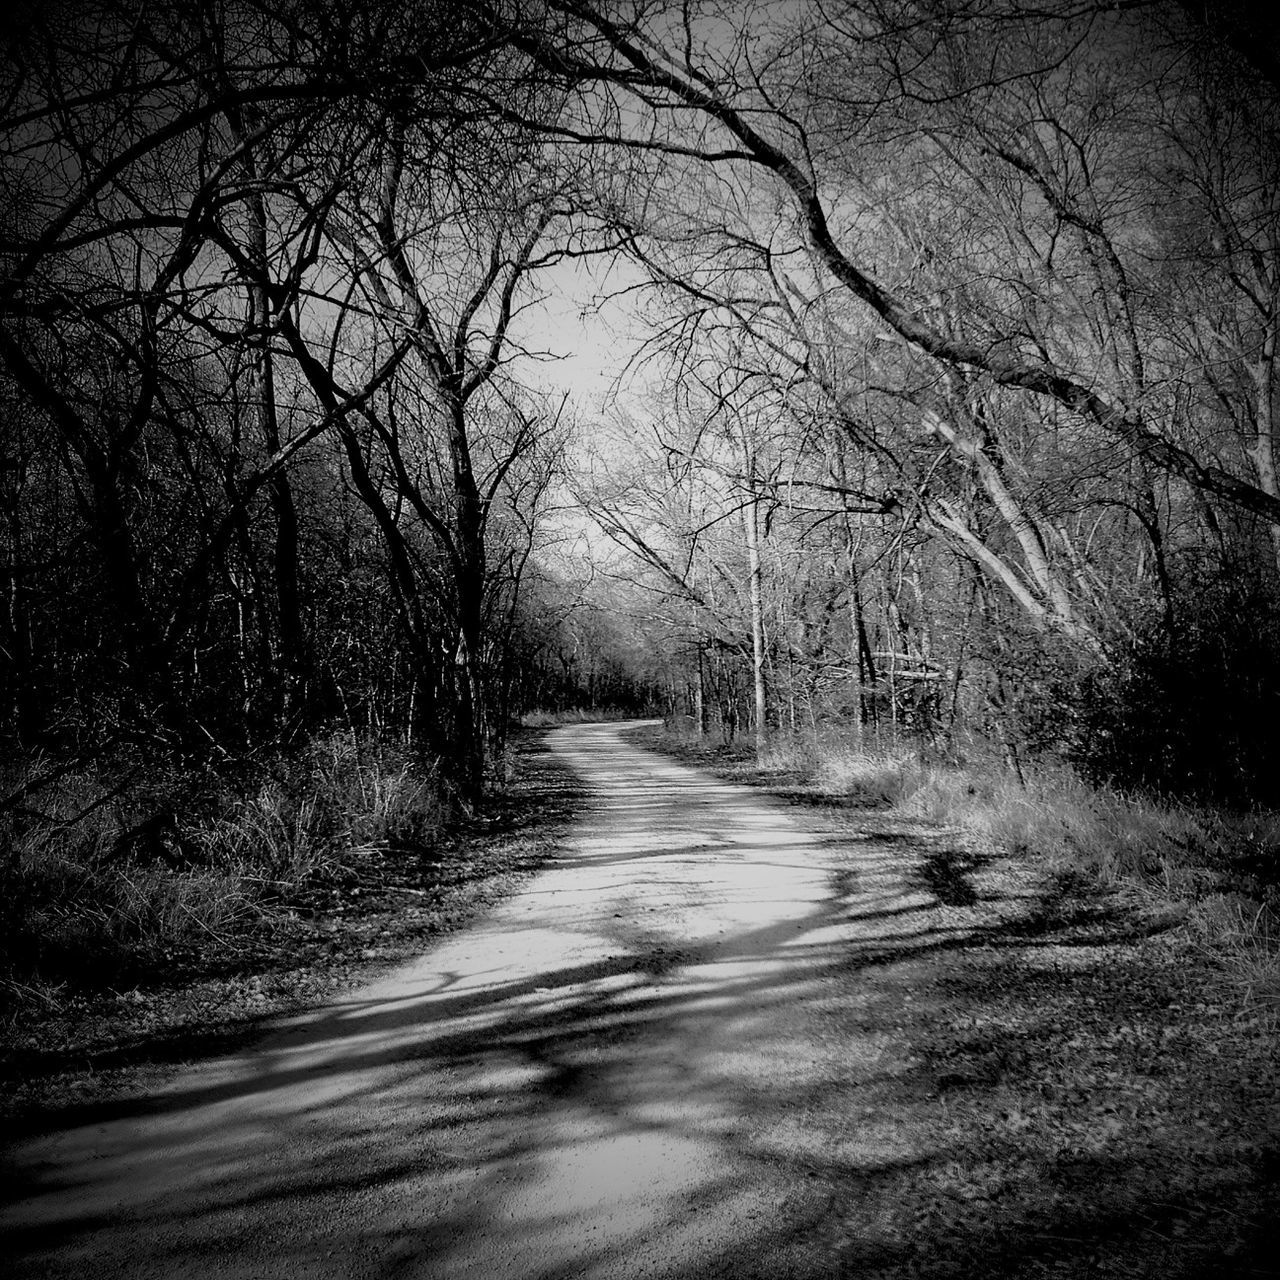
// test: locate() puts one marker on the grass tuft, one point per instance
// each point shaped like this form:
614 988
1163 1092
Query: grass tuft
869 779
110 879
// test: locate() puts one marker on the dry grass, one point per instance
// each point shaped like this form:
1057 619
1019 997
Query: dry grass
107 880
1218 868
1243 938
342 798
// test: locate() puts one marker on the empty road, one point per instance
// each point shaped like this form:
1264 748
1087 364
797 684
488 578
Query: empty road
647 1063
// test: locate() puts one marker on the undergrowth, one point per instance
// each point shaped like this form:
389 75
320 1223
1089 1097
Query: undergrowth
112 874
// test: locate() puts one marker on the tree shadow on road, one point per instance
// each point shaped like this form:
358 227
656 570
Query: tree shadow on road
922 1126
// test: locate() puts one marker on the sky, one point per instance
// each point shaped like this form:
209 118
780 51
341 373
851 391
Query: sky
588 332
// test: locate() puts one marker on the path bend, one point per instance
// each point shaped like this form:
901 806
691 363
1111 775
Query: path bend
631 1068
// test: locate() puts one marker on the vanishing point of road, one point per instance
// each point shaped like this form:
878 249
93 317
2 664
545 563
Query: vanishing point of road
646 1063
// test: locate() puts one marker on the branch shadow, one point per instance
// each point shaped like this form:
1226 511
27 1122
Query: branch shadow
598 1101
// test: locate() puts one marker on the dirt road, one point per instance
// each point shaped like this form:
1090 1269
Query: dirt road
645 1064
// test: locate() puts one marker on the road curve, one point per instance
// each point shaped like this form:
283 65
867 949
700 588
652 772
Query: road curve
608 1076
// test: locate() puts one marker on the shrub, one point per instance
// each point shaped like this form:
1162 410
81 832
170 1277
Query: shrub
1190 711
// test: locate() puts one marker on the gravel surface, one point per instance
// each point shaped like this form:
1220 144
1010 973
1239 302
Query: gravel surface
717 1036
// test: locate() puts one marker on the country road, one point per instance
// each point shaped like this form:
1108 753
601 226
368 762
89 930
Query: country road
652 1061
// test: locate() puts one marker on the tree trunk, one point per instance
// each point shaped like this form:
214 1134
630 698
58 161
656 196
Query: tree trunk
293 677
469 583
702 711
858 634
751 526
19 696
1263 451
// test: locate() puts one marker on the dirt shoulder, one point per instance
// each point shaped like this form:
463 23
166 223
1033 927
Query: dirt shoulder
1085 1092
66 1049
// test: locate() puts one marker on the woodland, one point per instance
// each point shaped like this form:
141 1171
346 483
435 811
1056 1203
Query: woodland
946 419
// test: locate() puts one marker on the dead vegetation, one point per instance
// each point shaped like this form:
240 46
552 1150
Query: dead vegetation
354 859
